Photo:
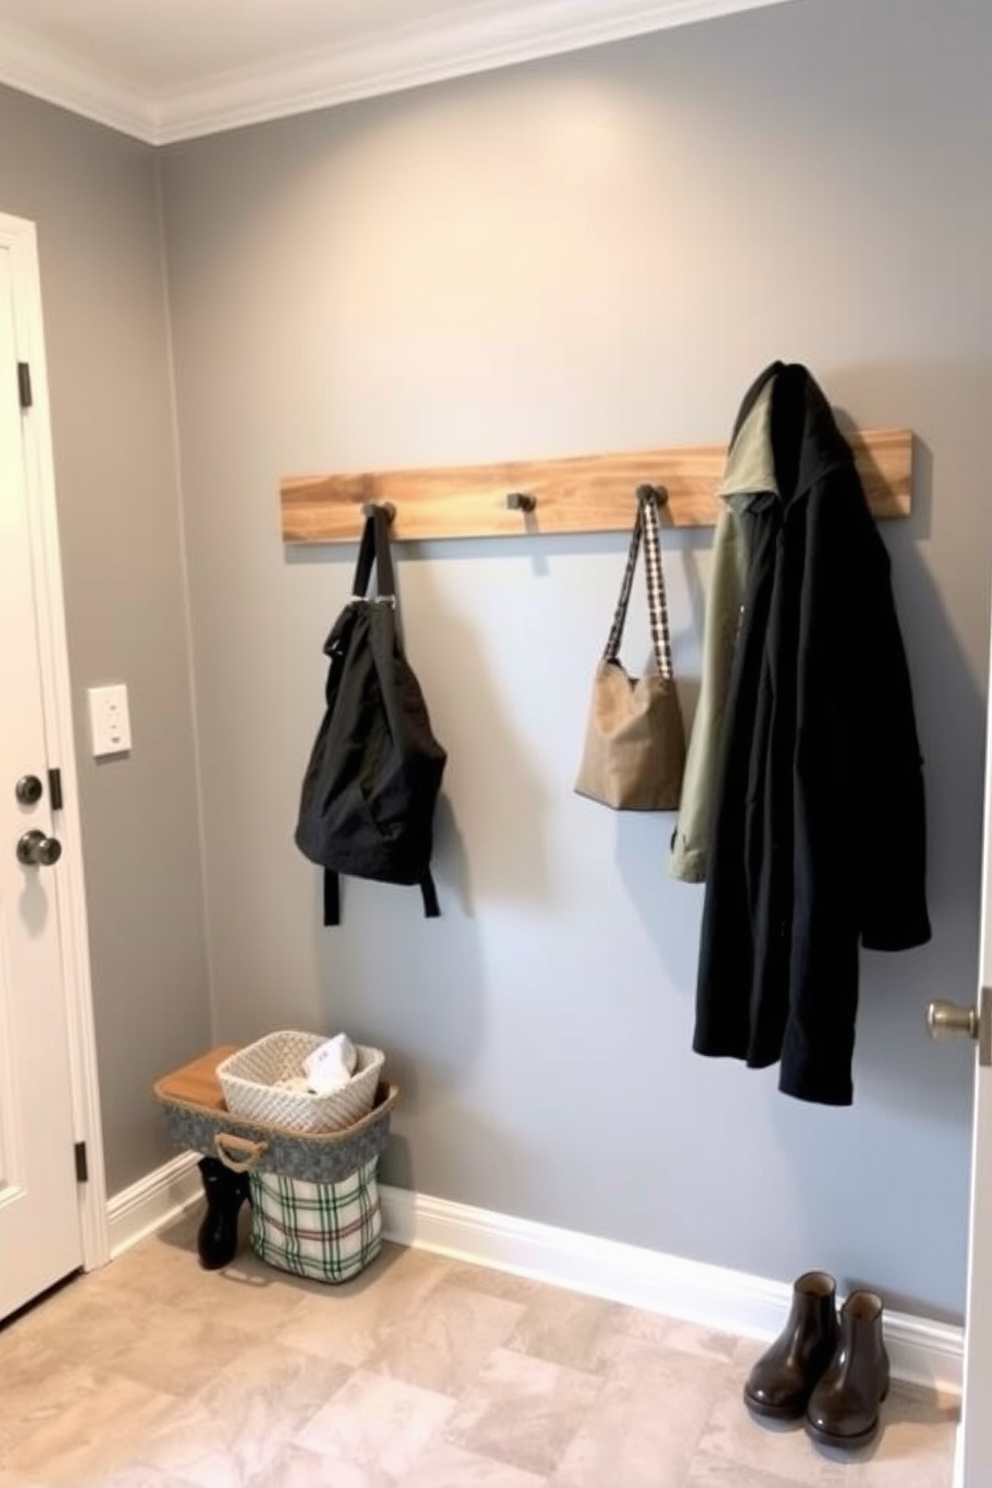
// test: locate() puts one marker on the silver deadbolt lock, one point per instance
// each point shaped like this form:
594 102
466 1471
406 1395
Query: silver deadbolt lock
35 850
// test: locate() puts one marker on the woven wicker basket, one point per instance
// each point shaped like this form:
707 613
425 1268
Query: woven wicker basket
248 1080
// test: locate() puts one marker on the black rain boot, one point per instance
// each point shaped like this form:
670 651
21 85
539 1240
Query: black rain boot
843 1409
217 1239
780 1384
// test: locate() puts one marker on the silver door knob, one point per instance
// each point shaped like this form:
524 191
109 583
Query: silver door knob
947 1020
35 850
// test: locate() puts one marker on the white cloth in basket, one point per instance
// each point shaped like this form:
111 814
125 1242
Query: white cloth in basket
331 1066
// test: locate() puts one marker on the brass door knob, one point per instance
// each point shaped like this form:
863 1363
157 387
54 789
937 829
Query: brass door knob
947 1020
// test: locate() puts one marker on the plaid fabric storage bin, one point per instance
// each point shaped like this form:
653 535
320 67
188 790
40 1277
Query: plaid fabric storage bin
324 1231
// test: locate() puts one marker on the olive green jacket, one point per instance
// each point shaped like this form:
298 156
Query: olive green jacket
750 470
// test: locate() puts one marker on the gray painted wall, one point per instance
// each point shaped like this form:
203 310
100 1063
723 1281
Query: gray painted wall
593 253
94 197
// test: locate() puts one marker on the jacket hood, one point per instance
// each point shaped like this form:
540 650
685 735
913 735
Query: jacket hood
785 439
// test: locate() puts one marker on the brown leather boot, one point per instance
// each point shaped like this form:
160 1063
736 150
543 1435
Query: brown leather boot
843 1409
780 1384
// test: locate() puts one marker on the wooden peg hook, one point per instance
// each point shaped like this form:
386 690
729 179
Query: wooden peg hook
658 492
371 507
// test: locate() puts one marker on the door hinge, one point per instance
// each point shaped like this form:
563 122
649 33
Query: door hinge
24 383
55 789
82 1164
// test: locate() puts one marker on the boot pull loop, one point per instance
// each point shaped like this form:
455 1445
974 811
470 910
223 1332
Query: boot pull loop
226 1142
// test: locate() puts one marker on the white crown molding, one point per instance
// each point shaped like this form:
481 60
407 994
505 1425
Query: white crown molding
493 35
496 35
33 67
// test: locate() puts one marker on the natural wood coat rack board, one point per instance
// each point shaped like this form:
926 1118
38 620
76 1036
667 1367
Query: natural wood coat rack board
590 493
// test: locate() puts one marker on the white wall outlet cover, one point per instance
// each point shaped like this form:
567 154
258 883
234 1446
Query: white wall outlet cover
110 721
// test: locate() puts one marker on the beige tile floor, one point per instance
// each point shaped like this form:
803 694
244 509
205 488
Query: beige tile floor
423 1373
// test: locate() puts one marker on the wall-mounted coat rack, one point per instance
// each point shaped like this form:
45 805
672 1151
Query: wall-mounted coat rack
588 493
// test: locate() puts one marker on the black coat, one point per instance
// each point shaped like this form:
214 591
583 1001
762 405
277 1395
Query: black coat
819 838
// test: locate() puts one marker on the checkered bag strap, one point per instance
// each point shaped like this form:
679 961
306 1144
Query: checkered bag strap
647 524
647 497
615 639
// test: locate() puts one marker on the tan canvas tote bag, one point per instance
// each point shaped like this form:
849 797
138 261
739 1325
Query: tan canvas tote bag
635 739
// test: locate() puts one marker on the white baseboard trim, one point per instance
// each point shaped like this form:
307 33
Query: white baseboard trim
152 1202
922 1351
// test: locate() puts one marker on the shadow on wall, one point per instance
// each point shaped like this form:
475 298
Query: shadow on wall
419 991
671 917
460 1141
510 815
895 1057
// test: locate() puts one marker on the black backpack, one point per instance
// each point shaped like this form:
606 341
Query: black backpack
367 806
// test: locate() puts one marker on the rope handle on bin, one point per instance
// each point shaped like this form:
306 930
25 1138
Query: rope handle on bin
226 1142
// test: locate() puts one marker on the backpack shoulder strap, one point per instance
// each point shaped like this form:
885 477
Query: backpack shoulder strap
384 578
375 549
332 898
366 558
428 890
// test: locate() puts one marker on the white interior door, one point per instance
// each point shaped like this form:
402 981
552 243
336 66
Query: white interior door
40 1231
974 1466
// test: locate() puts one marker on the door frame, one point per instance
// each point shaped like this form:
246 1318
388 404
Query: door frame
19 237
